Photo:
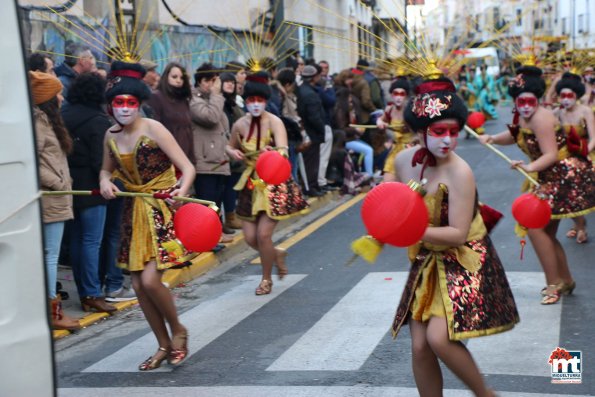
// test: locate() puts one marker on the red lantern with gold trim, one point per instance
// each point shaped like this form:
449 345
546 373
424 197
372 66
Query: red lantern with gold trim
197 227
395 214
531 211
273 168
476 120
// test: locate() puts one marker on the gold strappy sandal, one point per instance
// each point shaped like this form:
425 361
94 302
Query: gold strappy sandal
154 362
264 288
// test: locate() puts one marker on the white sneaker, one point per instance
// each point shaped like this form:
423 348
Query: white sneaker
120 295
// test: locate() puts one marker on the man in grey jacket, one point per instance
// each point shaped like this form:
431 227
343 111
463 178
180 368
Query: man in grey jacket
210 127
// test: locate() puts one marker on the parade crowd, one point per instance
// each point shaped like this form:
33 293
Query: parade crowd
131 128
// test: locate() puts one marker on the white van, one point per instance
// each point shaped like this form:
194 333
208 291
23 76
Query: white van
26 347
487 55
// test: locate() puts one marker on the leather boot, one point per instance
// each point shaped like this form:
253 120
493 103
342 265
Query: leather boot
61 320
232 221
97 303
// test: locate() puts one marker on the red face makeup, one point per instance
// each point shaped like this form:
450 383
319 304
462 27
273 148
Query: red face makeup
399 92
526 101
255 99
125 101
567 95
440 130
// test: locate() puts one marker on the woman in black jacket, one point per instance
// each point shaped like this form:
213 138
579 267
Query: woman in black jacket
87 123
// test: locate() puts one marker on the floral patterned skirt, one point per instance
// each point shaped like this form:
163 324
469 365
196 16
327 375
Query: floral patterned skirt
474 304
277 201
571 185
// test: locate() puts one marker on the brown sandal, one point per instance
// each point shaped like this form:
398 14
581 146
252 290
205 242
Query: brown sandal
154 362
280 255
264 288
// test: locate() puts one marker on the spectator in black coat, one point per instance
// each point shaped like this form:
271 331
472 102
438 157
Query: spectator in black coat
312 113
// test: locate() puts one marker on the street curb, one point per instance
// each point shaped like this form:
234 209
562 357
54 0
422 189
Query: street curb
203 263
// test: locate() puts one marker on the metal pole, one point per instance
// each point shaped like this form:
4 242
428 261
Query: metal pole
406 29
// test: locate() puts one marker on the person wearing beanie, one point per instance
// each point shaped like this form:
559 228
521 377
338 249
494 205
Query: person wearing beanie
53 146
211 134
578 123
261 205
566 178
392 119
143 155
455 246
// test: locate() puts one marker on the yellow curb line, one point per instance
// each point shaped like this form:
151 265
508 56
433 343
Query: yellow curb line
311 228
174 277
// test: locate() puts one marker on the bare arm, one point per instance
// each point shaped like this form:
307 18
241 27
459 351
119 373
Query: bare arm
233 147
280 134
501 138
108 166
461 202
590 119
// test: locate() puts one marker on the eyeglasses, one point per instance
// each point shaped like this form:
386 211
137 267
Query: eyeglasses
527 101
567 95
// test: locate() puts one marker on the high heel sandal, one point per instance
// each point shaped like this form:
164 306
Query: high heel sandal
152 363
177 355
566 289
280 255
551 294
264 288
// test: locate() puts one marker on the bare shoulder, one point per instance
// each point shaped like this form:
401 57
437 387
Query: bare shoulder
544 117
460 175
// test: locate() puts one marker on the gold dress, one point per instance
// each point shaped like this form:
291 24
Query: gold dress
277 201
466 285
581 131
147 229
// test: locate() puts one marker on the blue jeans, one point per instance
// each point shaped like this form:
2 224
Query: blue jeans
85 242
362 147
111 275
52 237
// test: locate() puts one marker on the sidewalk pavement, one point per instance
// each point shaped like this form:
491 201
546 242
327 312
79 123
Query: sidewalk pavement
172 277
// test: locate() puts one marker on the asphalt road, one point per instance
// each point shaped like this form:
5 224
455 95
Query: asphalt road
324 331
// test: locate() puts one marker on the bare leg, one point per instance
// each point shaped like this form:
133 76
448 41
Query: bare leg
161 297
249 230
562 262
264 235
546 252
456 356
580 225
151 312
389 177
426 369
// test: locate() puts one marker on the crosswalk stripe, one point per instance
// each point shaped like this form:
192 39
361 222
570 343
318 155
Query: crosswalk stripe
524 350
344 338
275 391
221 314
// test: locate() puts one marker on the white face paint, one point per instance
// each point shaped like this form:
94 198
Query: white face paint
567 98
255 108
441 137
398 100
526 104
125 116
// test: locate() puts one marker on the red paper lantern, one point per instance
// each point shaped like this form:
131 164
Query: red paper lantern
197 227
395 214
273 168
531 212
476 120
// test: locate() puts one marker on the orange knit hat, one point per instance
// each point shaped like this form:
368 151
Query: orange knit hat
44 87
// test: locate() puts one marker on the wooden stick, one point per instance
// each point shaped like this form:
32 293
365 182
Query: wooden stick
210 204
502 155
364 126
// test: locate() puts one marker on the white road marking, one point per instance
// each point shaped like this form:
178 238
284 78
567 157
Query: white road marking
275 391
526 348
220 314
344 338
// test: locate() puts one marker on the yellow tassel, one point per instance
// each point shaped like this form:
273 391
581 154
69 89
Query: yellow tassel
174 248
520 231
367 247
